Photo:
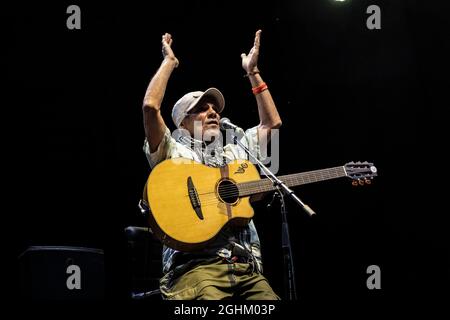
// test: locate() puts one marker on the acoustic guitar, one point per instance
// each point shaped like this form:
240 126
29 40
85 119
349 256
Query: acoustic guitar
190 202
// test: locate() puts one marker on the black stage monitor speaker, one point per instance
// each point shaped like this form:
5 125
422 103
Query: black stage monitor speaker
62 273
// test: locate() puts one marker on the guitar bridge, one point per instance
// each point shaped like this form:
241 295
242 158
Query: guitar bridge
195 200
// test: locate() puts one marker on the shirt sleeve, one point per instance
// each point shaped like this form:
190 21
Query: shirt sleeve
163 151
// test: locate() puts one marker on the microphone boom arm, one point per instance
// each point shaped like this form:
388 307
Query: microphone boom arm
280 185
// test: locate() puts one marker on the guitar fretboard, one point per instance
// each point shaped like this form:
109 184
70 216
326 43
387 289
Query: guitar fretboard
291 180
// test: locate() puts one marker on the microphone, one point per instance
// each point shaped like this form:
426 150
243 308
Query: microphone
225 124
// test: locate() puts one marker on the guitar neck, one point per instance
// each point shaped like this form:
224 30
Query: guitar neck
265 185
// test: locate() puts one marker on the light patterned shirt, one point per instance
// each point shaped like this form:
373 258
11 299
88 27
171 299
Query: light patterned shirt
212 155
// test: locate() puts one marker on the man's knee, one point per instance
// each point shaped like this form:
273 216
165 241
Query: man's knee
261 290
213 293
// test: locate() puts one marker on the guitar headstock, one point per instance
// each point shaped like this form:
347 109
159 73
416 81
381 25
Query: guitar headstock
360 172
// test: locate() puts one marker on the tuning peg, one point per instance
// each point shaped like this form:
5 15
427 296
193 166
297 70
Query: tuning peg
361 182
354 183
368 181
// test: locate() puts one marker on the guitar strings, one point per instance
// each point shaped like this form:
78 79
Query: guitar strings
225 190
210 199
233 190
230 191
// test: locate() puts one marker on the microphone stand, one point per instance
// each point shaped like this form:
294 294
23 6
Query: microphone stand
282 190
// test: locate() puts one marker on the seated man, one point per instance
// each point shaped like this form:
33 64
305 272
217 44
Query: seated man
230 266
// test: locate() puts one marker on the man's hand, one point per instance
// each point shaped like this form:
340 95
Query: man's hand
167 50
250 60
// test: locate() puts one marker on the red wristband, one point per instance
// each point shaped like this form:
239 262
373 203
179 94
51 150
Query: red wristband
260 88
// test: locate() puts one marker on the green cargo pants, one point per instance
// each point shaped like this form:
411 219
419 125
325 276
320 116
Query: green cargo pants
219 280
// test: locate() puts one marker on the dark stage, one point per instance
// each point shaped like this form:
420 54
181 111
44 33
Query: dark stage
344 93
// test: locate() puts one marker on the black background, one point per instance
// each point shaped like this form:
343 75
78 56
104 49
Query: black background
344 93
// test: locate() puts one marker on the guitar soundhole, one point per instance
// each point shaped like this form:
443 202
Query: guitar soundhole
228 191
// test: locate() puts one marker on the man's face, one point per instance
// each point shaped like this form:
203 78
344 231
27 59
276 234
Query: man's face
202 122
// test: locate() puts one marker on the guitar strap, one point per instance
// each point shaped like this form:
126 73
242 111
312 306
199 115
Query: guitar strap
224 173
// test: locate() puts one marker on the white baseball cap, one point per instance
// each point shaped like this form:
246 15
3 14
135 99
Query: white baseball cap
191 99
